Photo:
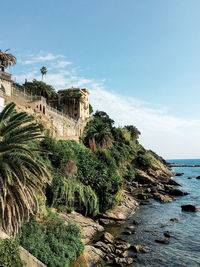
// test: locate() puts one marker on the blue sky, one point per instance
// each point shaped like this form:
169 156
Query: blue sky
139 59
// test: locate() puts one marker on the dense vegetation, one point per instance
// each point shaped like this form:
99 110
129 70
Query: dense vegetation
52 241
87 177
9 253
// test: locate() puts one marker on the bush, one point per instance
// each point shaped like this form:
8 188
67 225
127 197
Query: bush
130 175
105 183
9 253
144 161
52 241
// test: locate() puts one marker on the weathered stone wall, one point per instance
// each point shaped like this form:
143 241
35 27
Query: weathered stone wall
61 126
6 86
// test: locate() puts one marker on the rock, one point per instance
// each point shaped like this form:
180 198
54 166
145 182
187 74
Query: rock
127 232
127 206
162 198
142 196
87 225
167 234
143 178
198 177
144 202
162 240
139 248
123 261
189 207
122 245
176 192
93 255
135 222
130 227
179 174
105 221
175 220
108 238
107 248
172 182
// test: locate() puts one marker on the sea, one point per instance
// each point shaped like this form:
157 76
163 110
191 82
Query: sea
184 244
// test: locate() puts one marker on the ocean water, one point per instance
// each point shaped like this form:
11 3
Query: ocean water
184 246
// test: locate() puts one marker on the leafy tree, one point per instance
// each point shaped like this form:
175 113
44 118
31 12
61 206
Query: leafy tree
40 88
133 131
98 133
103 116
21 174
6 59
43 71
90 109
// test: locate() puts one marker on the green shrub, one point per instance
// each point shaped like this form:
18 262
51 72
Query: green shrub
9 253
130 175
91 171
52 241
144 161
105 156
74 194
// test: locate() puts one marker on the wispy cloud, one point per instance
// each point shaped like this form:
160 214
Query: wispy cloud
63 64
169 136
42 58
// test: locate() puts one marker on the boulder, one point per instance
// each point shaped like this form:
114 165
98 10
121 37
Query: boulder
122 245
108 238
107 248
87 225
93 255
123 261
179 174
143 178
135 222
167 234
130 227
189 207
162 240
176 192
139 248
126 207
162 198
175 220
198 177
127 232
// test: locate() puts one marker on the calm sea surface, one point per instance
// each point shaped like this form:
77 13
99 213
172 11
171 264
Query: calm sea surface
184 246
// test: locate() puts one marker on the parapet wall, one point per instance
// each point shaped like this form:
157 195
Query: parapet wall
61 125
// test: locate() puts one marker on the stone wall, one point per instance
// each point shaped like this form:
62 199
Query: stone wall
61 125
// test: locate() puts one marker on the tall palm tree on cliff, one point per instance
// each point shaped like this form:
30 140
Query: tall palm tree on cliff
22 176
98 134
43 71
6 59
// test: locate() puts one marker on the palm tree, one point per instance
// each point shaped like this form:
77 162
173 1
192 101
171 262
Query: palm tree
43 71
22 176
6 60
98 134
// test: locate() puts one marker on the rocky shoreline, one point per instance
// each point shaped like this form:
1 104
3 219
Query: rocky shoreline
151 184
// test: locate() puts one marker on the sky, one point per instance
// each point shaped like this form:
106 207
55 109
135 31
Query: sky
139 59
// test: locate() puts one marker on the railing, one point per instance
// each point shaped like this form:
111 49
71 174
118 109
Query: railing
5 76
29 98
61 113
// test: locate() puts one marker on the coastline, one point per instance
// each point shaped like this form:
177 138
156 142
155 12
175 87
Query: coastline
100 245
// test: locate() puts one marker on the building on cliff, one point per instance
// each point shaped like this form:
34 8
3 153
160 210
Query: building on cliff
65 117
